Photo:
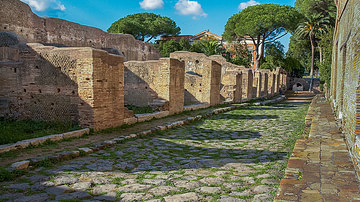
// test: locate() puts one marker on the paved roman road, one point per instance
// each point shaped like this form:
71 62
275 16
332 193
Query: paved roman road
235 156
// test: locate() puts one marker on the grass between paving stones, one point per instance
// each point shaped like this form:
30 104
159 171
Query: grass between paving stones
199 127
47 128
12 131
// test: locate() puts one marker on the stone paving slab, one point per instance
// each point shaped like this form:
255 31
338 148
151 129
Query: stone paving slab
231 156
320 167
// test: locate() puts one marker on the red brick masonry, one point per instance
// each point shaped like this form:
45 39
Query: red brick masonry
320 167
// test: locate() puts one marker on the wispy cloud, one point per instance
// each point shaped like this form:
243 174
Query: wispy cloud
186 7
247 4
43 5
151 4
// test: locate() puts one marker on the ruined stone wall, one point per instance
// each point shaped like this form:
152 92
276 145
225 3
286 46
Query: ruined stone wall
82 85
31 87
231 79
271 83
17 17
265 83
202 77
248 79
257 83
345 75
148 83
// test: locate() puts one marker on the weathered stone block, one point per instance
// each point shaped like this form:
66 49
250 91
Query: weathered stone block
130 121
21 165
196 106
77 133
86 150
56 137
149 116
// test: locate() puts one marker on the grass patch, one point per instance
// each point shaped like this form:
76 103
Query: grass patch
140 110
6 175
12 131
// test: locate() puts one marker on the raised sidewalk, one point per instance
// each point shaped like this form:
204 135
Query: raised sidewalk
320 167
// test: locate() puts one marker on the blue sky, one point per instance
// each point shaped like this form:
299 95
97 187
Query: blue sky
192 16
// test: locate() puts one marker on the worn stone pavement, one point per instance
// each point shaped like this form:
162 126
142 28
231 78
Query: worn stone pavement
235 156
320 168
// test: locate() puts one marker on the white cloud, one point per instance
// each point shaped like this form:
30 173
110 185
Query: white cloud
186 7
151 4
247 4
43 5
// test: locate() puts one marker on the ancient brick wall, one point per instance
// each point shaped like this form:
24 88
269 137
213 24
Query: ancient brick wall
231 79
265 83
202 77
82 85
17 17
345 74
257 83
31 87
248 79
147 83
271 84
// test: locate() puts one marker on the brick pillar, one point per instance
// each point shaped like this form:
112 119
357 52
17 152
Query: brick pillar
272 79
214 81
176 85
248 84
258 76
277 81
238 88
265 86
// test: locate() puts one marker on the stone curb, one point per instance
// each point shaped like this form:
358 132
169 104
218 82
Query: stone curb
40 140
67 155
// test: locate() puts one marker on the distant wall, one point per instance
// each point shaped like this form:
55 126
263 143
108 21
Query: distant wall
17 17
82 85
345 74
231 79
151 82
202 77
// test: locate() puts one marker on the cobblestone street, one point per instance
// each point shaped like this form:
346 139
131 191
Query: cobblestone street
240 155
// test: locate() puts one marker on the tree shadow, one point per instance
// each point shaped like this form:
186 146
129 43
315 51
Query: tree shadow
208 134
245 117
162 153
167 155
268 108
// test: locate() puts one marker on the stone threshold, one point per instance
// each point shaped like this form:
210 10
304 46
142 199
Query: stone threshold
67 155
40 140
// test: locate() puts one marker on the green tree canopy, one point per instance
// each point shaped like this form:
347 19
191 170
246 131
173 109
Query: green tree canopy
207 46
167 47
145 25
264 23
310 7
274 54
300 50
310 29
